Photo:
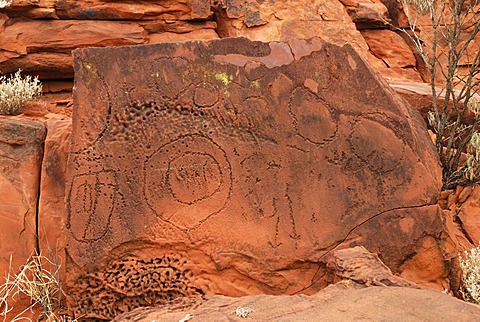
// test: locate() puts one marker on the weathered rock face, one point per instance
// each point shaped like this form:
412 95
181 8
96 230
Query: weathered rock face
335 21
269 21
142 10
38 36
367 13
463 206
32 205
427 253
110 10
340 302
45 48
21 150
363 267
352 269
42 43
392 50
51 208
232 167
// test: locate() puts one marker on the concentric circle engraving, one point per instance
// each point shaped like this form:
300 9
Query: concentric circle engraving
187 180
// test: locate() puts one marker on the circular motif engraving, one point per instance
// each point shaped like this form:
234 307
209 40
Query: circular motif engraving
187 180
313 120
206 95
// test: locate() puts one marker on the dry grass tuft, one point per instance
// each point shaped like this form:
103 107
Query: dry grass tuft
39 280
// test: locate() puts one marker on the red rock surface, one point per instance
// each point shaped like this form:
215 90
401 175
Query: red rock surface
44 48
269 21
463 205
348 300
195 161
363 267
42 43
367 13
469 217
51 209
21 150
110 10
340 302
133 10
389 47
332 21
165 21
426 253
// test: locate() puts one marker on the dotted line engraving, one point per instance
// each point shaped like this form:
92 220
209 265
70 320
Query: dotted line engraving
188 180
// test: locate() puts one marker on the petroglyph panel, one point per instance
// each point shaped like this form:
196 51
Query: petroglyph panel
259 155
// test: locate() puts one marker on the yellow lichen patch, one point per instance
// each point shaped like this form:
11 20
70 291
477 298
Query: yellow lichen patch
255 84
224 78
90 68
209 75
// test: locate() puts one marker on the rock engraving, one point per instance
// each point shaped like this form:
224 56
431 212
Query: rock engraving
91 199
190 175
261 157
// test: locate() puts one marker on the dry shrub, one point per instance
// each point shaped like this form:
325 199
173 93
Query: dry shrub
5 3
447 48
16 90
470 265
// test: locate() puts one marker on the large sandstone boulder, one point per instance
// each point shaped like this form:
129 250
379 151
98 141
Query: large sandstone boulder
233 167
